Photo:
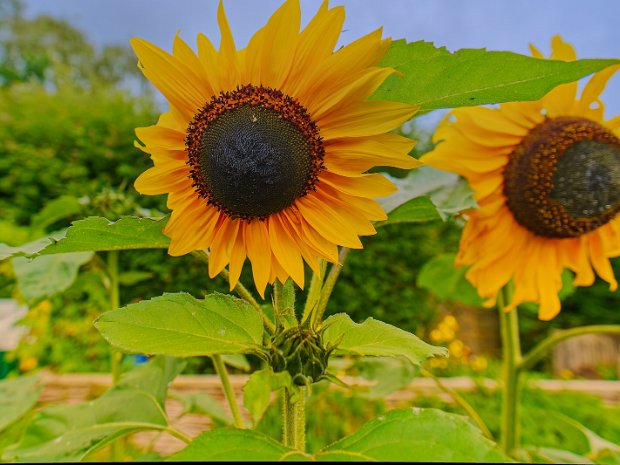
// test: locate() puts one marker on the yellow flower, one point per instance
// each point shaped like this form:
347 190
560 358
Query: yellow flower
546 176
263 151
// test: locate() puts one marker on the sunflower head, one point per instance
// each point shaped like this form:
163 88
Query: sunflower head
264 152
546 175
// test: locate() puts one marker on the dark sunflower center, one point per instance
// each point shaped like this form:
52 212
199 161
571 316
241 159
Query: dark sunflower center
563 179
253 152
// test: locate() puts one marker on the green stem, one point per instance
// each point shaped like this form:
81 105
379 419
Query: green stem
328 287
462 403
177 434
511 360
294 420
538 352
220 368
242 292
314 293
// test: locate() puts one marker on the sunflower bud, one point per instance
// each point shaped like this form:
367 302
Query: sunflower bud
301 353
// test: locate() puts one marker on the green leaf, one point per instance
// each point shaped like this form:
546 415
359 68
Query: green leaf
435 78
30 249
257 391
70 432
427 194
238 361
182 326
57 209
17 398
204 404
416 210
389 373
374 337
47 275
235 445
287 305
97 234
153 377
442 278
419 435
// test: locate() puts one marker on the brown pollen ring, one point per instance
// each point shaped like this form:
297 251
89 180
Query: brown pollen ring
562 164
253 151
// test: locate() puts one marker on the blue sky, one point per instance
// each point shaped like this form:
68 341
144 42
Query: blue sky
591 26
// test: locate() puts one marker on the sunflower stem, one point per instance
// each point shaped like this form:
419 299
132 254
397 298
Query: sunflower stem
540 350
314 293
242 292
221 371
328 287
511 374
294 419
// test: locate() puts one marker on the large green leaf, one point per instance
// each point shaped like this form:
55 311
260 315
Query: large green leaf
435 78
374 337
17 397
235 445
182 326
70 432
442 278
417 435
47 275
205 404
153 377
97 234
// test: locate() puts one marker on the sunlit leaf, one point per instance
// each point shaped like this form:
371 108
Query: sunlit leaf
97 234
236 445
436 78
374 337
419 435
182 326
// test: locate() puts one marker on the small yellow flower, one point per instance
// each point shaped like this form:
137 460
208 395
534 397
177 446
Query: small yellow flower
478 363
28 364
456 348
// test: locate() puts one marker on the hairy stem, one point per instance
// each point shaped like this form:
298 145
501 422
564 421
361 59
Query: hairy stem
328 287
511 360
220 368
314 293
538 352
294 420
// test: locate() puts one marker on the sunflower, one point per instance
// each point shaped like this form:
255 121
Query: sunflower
264 150
546 176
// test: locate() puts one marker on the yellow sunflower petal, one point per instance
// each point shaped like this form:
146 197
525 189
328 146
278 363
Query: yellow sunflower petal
366 119
172 77
285 249
257 243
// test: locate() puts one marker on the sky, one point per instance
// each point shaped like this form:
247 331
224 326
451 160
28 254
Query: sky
590 25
